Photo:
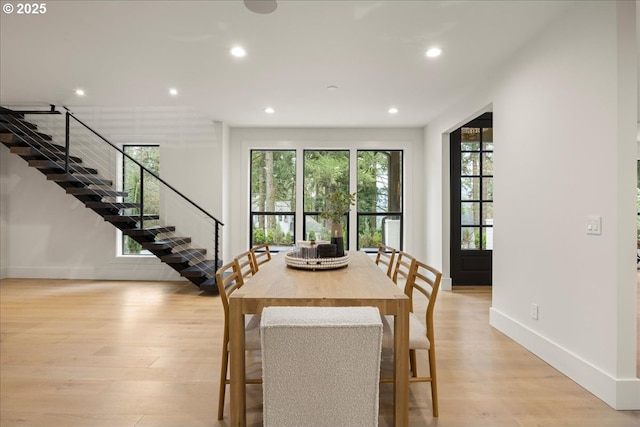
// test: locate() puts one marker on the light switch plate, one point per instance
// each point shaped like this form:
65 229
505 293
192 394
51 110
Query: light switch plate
594 224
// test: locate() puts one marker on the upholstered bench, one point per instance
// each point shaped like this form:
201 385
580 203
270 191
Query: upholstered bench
321 366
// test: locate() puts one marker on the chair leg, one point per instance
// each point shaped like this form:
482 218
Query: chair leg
412 363
434 382
223 380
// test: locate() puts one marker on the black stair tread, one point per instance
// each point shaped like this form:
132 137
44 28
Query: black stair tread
206 267
84 191
18 130
129 218
209 285
81 178
175 241
51 164
191 251
183 256
42 154
14 119
149 231
10 113
11 140
111 205
166 243
14 140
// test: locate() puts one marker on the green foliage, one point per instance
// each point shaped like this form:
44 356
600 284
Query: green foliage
149 157
638 210
372 168
131 246
471 239
337 204
326 179
377 239
273 179
369 235
275 237
325 172
258 236
477 241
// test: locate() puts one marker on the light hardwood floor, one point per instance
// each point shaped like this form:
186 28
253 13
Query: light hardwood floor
147 354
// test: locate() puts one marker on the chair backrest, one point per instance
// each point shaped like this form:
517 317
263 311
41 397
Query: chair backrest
261 254
386 256
247 264
228 278
402 268
424 279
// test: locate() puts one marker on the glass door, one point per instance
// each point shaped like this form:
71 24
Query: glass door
472 202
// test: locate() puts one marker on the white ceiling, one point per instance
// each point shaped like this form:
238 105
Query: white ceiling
129 53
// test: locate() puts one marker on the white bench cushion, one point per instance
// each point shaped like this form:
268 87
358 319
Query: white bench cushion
321 366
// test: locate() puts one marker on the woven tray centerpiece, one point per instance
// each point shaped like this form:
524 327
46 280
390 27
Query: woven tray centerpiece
312 256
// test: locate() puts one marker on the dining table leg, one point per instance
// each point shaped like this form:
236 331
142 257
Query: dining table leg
237 392
401 365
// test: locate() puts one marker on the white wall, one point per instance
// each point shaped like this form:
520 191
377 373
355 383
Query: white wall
53 235
408 139
4 212
565 112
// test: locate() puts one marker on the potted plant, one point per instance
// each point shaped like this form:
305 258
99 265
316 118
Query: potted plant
336 205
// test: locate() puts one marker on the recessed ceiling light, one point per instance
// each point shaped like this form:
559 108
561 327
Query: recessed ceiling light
261 6
173 91
238 52
434 52
269 110
393 110
332 88
80 92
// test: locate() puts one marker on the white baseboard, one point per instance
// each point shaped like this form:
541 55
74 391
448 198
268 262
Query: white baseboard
111 272
446 284
619 393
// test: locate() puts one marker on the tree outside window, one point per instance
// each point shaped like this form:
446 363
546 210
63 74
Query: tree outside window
379 198
325 172
149 157
273 197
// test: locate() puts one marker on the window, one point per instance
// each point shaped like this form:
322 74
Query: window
277 218
379 199
149 157
476 188
324 172
273 197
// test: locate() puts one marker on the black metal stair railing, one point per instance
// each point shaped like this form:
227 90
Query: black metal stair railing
98 193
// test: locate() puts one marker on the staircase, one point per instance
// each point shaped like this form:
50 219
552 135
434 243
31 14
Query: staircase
60 165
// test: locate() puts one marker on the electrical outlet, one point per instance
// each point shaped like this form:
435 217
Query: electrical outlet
534 311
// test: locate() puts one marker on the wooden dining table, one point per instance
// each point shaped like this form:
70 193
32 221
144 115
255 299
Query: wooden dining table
361 283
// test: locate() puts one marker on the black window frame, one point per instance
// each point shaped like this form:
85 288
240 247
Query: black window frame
317 213
252 213
388 214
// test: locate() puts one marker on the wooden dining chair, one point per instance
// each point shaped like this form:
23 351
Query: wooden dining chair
402 268
247 264
386 256
261 254
229 278
424 280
